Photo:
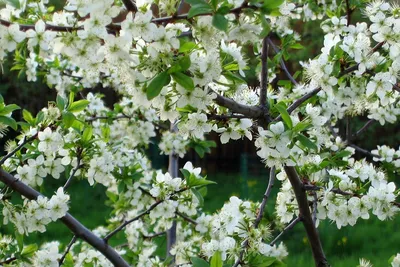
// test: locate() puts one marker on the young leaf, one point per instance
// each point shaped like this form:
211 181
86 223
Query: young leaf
183 80
305 141
8 109
9 122
60 102
216 260
220 22
198 7
28 117
199 262
87 134
78 105
156 85
68 119
284 114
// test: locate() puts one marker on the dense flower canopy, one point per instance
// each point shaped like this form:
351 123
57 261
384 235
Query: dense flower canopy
181 76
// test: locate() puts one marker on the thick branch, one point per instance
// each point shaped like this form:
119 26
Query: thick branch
130 5
264 73
305 215
235 107
73 224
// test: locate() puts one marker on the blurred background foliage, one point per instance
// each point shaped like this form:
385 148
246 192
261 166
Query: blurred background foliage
234 167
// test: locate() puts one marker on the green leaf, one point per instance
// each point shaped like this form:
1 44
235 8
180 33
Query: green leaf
28 117
182 65
183 80
216 260
60 102
69 261
186 173
87 134
220 22
68 119
200 151
20 240
78 105
305 141
198 7
281 107
301 126
199 262
194 181
156 85
272 4
29 250
188 46
342 154
9 122
8 109
39 117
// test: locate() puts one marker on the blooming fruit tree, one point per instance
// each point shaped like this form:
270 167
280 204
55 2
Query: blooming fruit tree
182 70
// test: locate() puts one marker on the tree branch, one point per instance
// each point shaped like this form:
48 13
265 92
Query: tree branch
265 198
186 218
15 150
61 260
264 73
305 215
282 63
122 226
287 228
365 127
73 224
7 261
173 161
130 5
235 107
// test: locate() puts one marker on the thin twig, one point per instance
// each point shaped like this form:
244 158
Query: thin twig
15 150
73 240
7 261
355 67
364 151
153 206
239 260
282 63
119 228
365 127
265 198
260 213
188 219
300 101
78 165
287 228
154 235
348 129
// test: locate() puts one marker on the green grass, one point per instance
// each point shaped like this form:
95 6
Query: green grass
372 239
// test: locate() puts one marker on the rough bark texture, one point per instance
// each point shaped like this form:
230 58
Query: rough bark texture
73 224
306 218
